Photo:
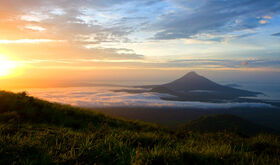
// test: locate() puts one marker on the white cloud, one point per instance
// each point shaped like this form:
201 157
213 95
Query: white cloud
34 17
195 41
35 28
93 97
58 12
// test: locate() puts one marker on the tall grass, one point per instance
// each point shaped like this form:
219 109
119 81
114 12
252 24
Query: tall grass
33 131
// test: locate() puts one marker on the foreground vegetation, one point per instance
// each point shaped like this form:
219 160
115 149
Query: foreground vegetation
33 131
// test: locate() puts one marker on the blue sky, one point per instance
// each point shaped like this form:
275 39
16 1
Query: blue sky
236 35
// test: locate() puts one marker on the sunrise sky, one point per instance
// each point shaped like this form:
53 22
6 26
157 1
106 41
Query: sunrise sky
50 41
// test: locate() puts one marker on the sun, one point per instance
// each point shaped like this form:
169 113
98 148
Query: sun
6 67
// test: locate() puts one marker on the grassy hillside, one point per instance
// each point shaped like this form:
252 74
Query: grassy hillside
226 122
174 117
33 131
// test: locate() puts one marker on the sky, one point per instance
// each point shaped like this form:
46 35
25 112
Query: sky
46 42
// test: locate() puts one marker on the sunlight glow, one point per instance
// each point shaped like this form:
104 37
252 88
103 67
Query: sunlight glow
6 67
24 41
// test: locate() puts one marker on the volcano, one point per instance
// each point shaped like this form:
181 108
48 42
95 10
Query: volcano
195 87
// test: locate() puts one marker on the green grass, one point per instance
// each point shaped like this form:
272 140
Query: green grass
33 131
221 122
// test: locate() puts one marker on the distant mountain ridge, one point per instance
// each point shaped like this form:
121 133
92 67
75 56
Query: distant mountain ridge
195 87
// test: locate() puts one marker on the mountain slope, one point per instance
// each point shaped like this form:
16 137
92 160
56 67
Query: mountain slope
33 131
192 81
226 122
195 87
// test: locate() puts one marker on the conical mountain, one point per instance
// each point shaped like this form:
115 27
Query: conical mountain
193 81
195 87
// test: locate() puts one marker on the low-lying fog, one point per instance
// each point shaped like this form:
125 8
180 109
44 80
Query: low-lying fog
105 97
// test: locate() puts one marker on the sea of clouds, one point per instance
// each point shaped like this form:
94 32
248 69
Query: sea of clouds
98 97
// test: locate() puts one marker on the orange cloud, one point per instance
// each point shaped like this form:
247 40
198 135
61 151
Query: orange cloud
263 21
26 41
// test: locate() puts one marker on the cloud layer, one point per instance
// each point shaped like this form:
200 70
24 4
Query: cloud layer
93 22
216 17
149 34
104 97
